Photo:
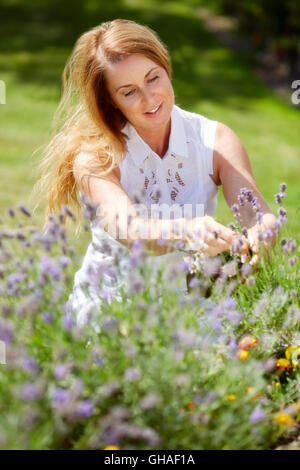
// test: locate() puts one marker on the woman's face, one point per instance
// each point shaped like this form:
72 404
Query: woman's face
137 86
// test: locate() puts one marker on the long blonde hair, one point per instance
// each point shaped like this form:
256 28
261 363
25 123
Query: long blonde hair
85 119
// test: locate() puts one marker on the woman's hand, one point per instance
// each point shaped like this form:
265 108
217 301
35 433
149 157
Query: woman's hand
260 239
206 235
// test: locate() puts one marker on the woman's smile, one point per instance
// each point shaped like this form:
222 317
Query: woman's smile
155 111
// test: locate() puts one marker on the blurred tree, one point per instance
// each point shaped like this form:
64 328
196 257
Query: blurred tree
274 26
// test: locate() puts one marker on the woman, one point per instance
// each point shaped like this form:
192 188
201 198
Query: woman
126 142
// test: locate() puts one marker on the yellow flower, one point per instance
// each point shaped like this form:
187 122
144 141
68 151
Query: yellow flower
282 418
231 397
247 342
283 364
111 448
243 354
293 353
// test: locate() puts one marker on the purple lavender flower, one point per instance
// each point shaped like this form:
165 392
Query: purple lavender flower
235 209
15 278
268 234
197 399
47 317
278 198
245 232
234 317
150 401
255 204
293 261
6 331
69 213
61 370
194 282
247 193
99 361
13 291
291 245
30 285
24 210
60 396
45 263
67 322
229 303
241 200
282 212
30 392
85 408
11 212
232 226
64 261
184 266
259 217
137 286
282 187
110 324
29 363
256 415
132 374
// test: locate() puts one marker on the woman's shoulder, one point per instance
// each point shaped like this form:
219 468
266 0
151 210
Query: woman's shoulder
85 162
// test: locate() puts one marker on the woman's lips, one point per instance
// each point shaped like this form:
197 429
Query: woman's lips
156 112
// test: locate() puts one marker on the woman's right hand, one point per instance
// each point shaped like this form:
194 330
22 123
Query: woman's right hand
206 235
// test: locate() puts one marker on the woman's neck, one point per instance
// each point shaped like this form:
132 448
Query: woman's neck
158 140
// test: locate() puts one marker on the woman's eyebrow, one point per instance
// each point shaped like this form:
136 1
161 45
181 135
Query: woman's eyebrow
124 86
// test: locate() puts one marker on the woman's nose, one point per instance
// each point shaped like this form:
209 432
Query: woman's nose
147 96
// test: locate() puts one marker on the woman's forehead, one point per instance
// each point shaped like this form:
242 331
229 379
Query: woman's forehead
133 66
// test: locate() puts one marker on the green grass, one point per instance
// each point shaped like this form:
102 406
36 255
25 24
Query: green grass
207 79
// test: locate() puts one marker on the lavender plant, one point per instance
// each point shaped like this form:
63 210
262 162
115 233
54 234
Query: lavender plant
215 369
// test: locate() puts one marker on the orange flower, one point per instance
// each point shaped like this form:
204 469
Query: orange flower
111 448
283 364
243 355
297 406
230 397
189 407
282 418
247 342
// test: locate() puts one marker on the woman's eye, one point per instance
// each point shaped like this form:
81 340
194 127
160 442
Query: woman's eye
154 78
129 93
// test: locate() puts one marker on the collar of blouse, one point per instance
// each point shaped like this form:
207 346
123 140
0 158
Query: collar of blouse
140 150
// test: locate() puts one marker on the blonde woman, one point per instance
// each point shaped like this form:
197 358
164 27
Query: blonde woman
126 141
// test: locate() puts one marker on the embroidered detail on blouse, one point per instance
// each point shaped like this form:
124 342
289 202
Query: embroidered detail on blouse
179 179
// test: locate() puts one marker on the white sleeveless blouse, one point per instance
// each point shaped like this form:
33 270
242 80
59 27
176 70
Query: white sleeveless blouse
180 178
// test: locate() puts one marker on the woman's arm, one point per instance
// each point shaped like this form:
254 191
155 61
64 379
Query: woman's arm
235 173
116 209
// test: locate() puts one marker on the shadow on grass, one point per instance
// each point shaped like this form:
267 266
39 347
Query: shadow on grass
38 36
